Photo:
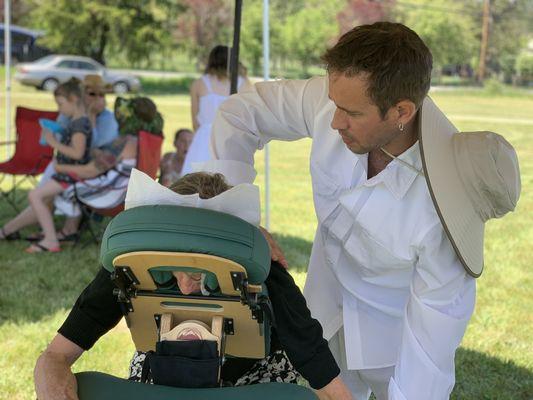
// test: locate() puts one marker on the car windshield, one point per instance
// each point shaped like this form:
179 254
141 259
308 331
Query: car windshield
44 60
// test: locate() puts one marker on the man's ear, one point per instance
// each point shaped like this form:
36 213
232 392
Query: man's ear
405 111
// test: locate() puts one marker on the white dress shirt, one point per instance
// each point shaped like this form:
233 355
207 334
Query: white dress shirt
381 266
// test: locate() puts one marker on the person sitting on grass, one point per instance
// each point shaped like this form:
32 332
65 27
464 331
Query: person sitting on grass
72 148
297 342
172 162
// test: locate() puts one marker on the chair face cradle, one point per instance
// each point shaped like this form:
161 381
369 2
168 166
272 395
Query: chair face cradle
142 247
244 334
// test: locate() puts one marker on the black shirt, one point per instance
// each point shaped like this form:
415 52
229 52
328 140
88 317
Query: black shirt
97 311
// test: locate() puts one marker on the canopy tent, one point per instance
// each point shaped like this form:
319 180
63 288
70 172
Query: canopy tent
234 72
7 63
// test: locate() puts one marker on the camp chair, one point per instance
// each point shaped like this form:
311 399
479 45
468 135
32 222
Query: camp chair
30 158
148 158
142 246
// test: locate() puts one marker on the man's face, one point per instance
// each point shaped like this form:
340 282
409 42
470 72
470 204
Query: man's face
183 143
94 100
357 118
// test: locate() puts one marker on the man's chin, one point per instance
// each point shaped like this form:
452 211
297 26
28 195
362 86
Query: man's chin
357 149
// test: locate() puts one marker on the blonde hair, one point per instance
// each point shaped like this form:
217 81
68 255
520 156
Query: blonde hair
205 184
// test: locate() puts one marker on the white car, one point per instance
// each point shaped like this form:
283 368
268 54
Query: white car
48 72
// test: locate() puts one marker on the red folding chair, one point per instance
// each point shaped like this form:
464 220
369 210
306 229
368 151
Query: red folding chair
148 158
30 158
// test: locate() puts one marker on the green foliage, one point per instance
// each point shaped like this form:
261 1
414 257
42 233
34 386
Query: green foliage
450 37
95 28
493 86
155 86
524 67
307 34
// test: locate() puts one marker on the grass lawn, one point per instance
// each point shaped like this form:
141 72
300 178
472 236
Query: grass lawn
496 357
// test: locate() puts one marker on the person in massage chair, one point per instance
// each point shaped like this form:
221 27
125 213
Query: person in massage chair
297 343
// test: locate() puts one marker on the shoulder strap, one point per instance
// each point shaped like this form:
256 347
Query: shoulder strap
207 83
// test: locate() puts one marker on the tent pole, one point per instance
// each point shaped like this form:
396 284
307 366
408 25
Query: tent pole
266 77
7 65
234 61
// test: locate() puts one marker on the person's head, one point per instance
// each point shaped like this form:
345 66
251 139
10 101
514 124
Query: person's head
68 97
94 91
379 75
218 62
182 141
206 185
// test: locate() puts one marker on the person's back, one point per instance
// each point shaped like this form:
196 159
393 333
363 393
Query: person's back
214 92
207 94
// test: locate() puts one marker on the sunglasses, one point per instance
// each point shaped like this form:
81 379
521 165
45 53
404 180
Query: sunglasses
96 94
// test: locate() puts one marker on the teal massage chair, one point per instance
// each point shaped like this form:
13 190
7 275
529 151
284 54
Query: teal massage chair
142 247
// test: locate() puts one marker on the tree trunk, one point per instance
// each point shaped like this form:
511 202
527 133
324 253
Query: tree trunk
99 54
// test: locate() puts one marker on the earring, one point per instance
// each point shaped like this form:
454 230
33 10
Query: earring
400 127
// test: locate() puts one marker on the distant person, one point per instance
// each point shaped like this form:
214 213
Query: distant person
73 148
207 93
172 162
104 131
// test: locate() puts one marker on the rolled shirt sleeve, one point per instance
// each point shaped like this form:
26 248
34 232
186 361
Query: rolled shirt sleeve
441 302
281 110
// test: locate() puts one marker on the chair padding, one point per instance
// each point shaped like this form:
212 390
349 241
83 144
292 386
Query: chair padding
188 230
99 386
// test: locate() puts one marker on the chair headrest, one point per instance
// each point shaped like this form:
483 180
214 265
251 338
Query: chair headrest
187 230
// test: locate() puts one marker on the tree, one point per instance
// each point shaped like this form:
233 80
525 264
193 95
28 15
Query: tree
307 34
360 12
202 25
93 28
445 27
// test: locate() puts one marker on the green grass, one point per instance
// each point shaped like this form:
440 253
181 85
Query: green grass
496 357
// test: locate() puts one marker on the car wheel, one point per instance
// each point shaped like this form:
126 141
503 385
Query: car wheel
50 84
121 87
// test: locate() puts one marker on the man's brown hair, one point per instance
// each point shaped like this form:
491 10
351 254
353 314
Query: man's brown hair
396 62
205 184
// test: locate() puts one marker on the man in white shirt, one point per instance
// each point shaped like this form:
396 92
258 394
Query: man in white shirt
384 279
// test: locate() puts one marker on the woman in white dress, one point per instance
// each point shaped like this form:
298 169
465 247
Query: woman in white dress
207 93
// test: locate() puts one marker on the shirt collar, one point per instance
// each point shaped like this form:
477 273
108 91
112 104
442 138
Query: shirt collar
398 177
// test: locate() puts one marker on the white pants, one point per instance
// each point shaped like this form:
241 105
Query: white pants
361 382
48 172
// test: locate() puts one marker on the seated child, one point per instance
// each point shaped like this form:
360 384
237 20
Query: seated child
73 148
297 342
172 163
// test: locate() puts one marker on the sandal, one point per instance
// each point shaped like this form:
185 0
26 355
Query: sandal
11 236
39 248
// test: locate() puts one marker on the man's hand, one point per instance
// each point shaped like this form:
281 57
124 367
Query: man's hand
54 379
275 251
335 390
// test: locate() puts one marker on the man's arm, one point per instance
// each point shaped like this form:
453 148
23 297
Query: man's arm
437 313
54 379
301 336
278 110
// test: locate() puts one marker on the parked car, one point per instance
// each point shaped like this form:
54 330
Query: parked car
23 44
48 72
